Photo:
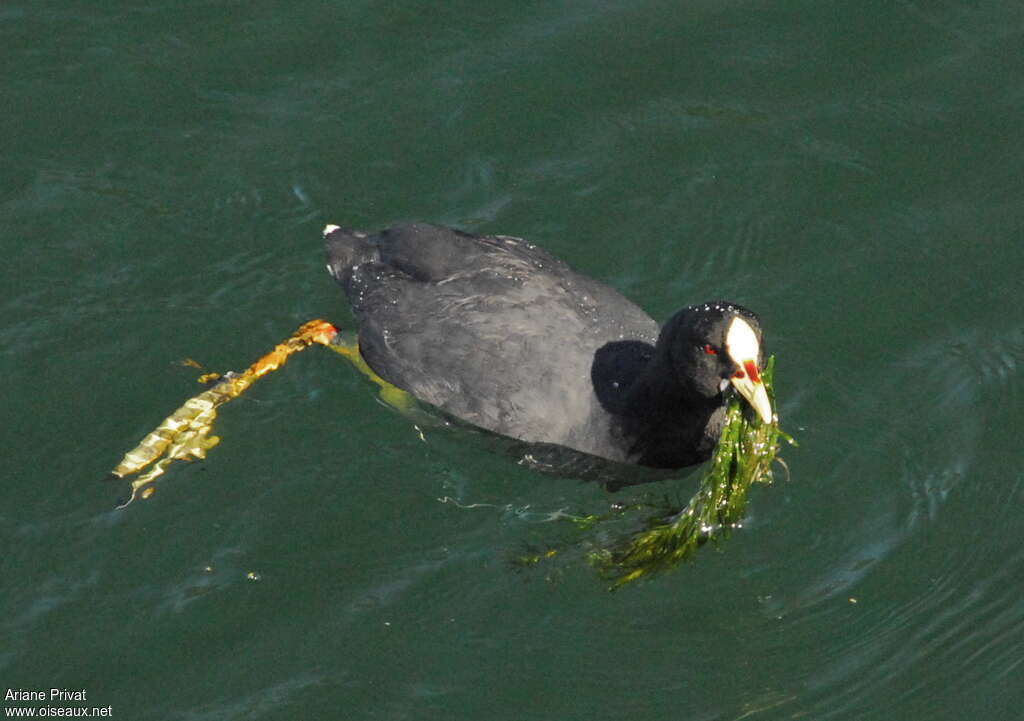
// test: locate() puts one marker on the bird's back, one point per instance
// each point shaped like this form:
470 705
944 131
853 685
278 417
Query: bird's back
491 329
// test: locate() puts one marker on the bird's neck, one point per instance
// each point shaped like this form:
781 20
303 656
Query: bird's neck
669 425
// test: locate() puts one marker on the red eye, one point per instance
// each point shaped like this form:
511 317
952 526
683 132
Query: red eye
709 350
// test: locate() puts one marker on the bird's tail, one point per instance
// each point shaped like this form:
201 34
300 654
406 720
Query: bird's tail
347 249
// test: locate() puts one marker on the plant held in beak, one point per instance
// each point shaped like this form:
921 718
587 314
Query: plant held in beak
748 445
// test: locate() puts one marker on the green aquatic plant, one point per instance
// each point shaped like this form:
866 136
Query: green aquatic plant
744 456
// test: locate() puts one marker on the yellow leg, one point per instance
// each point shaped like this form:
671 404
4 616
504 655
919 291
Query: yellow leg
391 394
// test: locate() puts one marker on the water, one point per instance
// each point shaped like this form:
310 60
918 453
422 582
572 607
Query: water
852 172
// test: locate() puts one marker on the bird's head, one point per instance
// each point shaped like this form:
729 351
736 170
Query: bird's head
717 344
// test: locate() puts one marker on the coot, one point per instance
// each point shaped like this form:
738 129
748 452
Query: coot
501 334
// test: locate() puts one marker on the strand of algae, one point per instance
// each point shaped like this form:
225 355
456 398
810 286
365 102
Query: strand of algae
743 456
185 434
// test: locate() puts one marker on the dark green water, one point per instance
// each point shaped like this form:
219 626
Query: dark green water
850 170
